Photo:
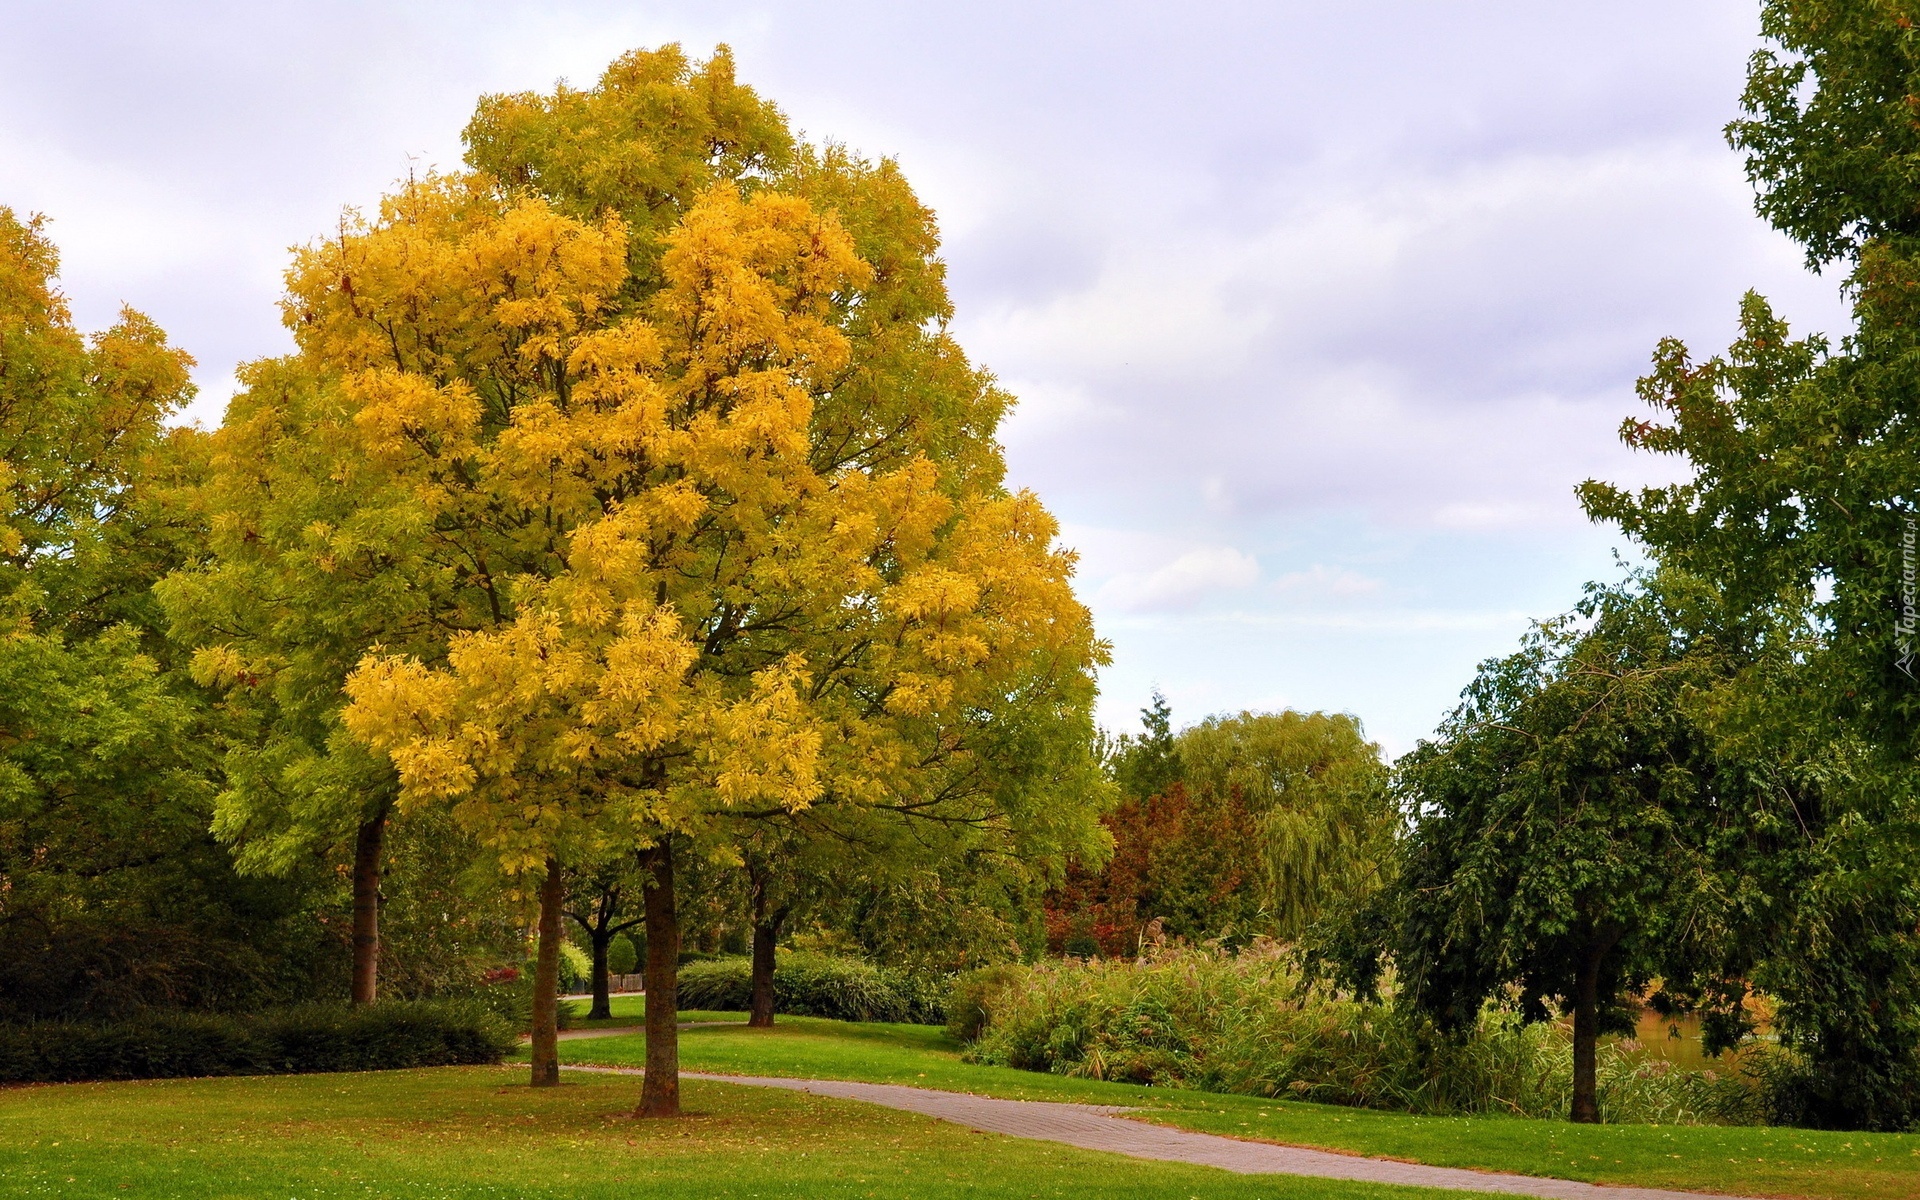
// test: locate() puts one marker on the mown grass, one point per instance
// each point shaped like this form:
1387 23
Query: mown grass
480 1132
1736 1160
632 1010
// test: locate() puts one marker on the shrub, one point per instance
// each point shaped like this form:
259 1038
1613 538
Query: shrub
1247 1024
815 985
508 994
623 958
308 1038
973 995
576 968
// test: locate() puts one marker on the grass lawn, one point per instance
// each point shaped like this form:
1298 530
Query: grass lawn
481 1132
632 1010
1755 1162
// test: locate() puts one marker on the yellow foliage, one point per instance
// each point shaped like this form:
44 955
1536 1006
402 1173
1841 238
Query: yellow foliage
689 555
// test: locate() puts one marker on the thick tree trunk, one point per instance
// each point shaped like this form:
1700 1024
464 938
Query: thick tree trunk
1586 1029
602 1001
546 982
368 841
660 1092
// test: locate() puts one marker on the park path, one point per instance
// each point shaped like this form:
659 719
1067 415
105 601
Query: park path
1098 1127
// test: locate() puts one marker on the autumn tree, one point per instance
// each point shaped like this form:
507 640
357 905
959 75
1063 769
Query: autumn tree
642 142
312 563
1251 825
633 518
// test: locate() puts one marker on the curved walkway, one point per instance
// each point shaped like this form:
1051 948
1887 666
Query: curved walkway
1096 1127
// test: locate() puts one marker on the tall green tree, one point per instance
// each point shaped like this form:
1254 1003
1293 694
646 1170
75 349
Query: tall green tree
1800 513
1567 823
111 893
293 586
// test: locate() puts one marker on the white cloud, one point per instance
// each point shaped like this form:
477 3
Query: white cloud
1186 581
1321 582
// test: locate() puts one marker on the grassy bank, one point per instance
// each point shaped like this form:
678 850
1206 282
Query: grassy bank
1738 1160
479 1132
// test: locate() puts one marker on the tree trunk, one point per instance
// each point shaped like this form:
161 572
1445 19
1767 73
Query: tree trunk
602 1001
660 1092
1586 1022
368 841
546 982
760 1016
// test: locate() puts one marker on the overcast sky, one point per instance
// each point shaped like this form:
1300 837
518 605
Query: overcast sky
1317 312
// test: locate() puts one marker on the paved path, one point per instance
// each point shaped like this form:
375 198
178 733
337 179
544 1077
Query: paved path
1096 1127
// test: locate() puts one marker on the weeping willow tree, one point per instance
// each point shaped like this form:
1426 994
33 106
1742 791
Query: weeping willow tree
1314 794
1245 825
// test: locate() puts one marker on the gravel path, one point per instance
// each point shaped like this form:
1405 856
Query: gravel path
1097 1127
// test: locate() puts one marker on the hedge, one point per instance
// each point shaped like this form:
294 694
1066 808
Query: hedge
307 1038
815 985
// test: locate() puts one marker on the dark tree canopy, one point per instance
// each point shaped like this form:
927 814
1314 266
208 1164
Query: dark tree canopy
1565 821
1802 517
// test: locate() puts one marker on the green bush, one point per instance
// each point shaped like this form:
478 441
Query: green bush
973 995
623 958
815 985
308 1038
576 968
1246 1024
511 999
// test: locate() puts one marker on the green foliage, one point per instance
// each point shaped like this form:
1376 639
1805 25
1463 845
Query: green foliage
1798 519
973 996
304 1039
576 967
816 985
1829 133
1147 763
112 895
1247 1024
623 957
1571 818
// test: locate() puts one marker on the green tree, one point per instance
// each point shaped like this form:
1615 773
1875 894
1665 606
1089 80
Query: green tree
602 905
111 893
292 588
1568 822
1800 515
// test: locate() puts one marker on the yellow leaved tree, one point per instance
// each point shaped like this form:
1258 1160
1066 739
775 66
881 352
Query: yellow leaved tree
691 620
650 511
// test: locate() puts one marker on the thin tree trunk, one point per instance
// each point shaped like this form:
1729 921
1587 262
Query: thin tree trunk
766 932
660 1092
1586 1022
368 841
602 999
546 981
760 1016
